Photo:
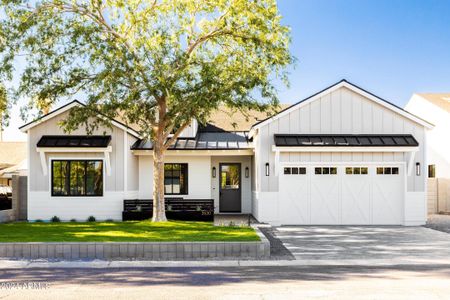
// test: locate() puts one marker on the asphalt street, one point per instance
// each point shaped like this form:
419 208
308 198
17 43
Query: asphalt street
282 282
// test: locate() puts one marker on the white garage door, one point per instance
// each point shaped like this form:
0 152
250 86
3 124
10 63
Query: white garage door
341 194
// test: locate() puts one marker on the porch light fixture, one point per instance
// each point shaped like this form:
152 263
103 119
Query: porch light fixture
214 172
417 168
247 172
267 169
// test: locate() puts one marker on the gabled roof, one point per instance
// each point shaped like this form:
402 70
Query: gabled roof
441 100
352 87
229 120
67 107
12 153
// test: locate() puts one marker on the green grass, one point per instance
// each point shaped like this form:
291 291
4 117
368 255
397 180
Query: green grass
131 231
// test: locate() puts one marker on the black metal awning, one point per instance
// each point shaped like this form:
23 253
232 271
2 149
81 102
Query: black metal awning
75 141
349 140
204 141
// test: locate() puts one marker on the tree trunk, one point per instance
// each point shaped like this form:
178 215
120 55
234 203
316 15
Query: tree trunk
159 212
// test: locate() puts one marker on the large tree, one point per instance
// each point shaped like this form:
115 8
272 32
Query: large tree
156 63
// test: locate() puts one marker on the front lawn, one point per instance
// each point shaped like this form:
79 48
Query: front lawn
131 231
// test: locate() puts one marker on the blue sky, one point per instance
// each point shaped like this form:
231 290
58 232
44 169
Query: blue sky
392 48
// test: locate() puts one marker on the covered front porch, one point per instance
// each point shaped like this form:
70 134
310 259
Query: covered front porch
224 176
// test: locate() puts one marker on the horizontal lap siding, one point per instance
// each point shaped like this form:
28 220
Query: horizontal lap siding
340 112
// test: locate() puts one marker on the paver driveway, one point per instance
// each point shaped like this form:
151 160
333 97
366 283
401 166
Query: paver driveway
337 243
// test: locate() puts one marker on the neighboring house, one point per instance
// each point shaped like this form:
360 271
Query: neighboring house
12 161
341 156
436 109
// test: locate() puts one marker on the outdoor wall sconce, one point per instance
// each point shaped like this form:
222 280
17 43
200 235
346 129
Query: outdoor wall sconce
214 172
267 169
418 168
247 172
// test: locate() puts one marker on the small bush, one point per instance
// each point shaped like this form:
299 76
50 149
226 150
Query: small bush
55 219
73 220
38 221
109 220
91 219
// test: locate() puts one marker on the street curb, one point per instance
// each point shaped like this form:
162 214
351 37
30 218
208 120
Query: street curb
103 264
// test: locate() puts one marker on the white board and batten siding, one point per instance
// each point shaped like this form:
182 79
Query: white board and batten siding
341 111
201 184
41 205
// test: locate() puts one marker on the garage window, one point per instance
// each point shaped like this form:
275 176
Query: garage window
356 170
295 171
387 171
325 171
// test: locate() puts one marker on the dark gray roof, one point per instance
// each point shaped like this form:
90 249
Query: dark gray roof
204 141
67 141
349 140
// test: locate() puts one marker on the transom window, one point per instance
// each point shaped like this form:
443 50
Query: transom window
175 179
294 171
387 171
356 170
77 178
325 170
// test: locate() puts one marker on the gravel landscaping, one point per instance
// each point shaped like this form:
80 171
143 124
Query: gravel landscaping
439 222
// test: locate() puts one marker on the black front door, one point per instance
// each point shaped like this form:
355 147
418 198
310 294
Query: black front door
230 187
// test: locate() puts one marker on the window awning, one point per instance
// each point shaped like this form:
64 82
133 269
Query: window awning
349 140
74 144
74 141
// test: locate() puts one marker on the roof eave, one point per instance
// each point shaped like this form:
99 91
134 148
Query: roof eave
67 107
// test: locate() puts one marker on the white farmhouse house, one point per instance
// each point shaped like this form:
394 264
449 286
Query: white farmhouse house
341 156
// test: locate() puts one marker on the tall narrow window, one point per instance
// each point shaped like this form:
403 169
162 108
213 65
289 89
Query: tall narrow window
175 179
431 171
77 178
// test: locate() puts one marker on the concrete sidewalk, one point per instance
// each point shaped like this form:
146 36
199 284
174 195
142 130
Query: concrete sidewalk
92 264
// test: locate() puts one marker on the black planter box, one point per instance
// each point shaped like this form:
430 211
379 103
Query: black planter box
204 216
136 215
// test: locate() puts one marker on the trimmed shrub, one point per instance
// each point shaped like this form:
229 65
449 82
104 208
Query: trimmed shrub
109 220
91 219
38 221
55 219
73 220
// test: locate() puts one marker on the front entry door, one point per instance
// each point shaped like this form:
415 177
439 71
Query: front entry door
230 187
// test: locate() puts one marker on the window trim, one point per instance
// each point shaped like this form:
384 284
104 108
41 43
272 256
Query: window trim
187 179
50 167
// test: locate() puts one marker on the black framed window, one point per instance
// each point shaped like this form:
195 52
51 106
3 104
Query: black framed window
387 171
325 171
76 178
357 170
175 179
